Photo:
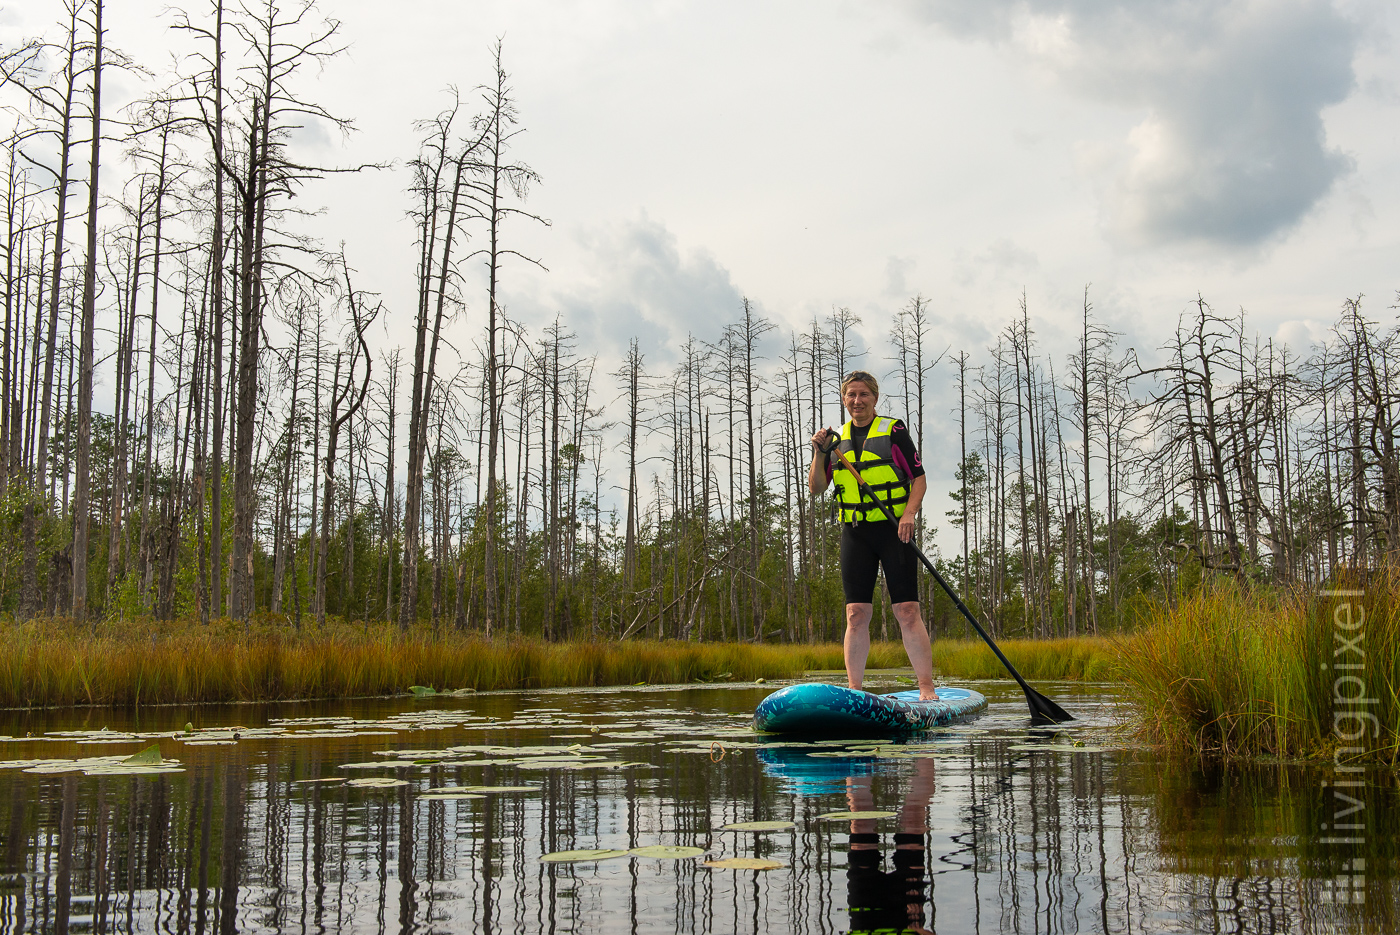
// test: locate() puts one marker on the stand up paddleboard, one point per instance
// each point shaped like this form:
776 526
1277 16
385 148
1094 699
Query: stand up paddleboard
834 711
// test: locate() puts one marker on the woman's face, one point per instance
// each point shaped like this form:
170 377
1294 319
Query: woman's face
859 402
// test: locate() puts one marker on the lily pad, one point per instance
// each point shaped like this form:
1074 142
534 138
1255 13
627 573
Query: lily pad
421 691
314 782
147 757
492 789
376 783
760 826
378 764
130 770
565 857
667 852
745 863
855 816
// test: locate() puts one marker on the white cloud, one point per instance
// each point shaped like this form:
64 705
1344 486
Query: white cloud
1231 149
639 283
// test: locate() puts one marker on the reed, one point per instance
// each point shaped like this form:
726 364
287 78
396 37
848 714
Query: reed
1248 671
1081 658
53 663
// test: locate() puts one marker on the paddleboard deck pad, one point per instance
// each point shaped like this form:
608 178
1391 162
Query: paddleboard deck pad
834 711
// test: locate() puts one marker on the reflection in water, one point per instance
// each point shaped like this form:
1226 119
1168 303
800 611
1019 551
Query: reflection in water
261 834
891 901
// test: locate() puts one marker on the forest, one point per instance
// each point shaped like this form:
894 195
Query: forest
197 422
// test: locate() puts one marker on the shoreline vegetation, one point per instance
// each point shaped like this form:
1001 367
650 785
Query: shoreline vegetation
1229 671
55 663
1239 671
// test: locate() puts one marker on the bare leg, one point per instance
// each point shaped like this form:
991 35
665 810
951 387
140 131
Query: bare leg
915 634
913 820
857 645
860 799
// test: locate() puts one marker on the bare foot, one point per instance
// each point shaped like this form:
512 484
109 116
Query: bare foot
928 694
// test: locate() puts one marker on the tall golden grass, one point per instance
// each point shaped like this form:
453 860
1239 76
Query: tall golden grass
1086 658
1242 671
53 663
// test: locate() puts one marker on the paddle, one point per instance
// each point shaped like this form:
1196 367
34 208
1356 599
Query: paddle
1043 710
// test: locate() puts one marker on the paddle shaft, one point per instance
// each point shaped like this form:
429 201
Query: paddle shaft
1041 707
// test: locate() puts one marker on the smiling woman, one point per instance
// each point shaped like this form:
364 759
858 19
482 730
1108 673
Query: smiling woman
891 473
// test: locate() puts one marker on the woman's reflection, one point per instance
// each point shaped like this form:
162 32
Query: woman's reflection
880 900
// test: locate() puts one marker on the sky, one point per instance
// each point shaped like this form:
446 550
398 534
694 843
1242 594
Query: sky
813 154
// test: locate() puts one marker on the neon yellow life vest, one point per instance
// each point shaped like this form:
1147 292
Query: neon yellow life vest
877 467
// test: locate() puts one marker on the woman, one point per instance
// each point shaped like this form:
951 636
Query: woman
881 449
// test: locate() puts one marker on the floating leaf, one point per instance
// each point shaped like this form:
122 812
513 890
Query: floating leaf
375 765
376 783
667 852
855 816
760 826
491 789
147 757
312 782
634 735
745 863
130 770
564 857
421 691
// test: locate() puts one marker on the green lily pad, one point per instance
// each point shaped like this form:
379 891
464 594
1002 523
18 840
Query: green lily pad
760 826
745 863
855 816
565 857
667 852
421 691
147 757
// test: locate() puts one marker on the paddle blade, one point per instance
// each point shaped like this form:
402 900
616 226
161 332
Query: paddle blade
1045 711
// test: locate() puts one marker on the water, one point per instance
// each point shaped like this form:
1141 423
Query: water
991 830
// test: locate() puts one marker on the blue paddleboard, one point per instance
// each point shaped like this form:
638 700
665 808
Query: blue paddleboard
835 711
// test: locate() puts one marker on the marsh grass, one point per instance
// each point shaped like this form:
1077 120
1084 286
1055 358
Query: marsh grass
1239 671
54 663
1083 658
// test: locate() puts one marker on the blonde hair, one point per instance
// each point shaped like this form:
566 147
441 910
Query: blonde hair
860 376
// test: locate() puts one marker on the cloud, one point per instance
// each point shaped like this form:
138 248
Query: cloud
1003 261
1232 150
643 285
897 270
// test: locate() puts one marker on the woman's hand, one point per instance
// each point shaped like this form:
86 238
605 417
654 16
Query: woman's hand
819 440
906 527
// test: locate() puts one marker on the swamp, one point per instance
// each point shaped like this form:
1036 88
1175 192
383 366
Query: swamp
633 809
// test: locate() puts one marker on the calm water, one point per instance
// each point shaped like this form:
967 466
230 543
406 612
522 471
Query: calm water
994 827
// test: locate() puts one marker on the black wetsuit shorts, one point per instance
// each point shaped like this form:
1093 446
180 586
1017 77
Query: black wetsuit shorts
865 547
